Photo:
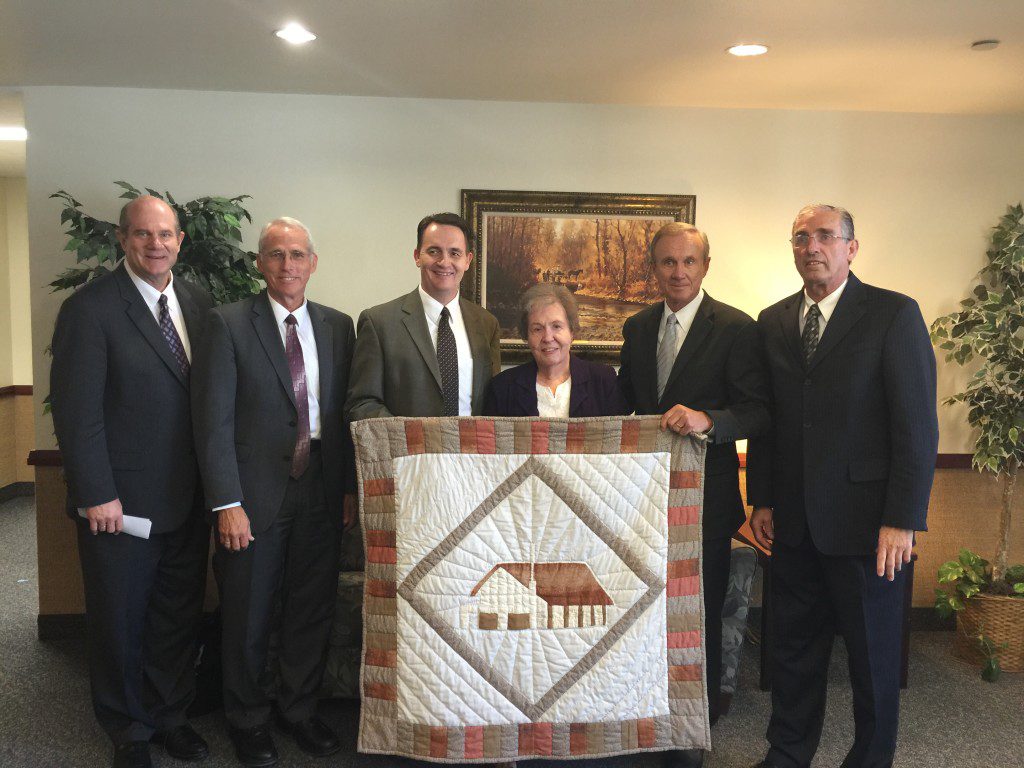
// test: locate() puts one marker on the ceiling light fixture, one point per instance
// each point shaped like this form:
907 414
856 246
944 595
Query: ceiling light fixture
295 33
748 49
13 133
984 45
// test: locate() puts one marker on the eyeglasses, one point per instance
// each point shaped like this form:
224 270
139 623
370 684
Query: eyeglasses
801 239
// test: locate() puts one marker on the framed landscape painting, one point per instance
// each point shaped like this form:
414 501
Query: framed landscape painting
595 244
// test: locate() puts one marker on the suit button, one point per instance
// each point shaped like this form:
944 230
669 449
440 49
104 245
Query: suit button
807 382
807 425
287 458
292 424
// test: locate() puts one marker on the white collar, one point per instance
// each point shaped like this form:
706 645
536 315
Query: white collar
149 293
432 307
827 305
280 313
684 315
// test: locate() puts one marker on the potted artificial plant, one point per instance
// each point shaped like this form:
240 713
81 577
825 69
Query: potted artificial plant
988 598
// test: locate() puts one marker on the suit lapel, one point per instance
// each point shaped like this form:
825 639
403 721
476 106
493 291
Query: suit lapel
789 325
526 387
143 319
415 322
579 392
647 348
189 311
266 330
703 323
480 348
324 335
848 312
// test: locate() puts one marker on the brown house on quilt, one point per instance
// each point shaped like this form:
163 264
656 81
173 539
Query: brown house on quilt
541 595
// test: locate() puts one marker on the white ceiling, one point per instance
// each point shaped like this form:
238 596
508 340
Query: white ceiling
878 55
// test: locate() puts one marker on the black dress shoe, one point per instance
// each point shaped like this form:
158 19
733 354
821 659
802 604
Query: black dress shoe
132 754
312 735
766 764
254 747
182 743
683 758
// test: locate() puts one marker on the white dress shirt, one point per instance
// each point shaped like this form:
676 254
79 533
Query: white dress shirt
152 298
826 306
432 309
310 359
554 405
684 317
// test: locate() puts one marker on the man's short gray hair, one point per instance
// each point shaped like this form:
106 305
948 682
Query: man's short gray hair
845 217
286 221
678 228
541 295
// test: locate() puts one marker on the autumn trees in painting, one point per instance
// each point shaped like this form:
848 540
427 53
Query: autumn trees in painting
600 259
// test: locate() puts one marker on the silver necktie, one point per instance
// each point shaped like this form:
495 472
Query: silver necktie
667 353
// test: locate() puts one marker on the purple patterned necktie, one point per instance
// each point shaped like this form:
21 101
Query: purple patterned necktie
170 334
809 338
448 362
297 368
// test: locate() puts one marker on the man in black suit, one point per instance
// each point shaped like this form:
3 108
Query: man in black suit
277 466
119 387
839 486
692 359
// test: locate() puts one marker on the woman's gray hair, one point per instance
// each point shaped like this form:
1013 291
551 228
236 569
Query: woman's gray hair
541 295
287 221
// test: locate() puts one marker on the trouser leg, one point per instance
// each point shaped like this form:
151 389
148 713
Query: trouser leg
248 581
869 612
308 597
172 623
118 573
803 630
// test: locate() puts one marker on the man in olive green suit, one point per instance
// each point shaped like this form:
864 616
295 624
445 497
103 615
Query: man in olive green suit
428 353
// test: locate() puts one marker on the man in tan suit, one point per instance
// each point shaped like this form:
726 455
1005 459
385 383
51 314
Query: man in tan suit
430 352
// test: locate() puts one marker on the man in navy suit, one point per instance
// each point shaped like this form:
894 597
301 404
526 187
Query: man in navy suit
693 360
119 384
839 486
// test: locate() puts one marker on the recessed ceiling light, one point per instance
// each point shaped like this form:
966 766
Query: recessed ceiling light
13 133
984 45
296 34
748 49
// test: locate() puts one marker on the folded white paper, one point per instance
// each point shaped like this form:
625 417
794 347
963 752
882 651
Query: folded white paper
133 526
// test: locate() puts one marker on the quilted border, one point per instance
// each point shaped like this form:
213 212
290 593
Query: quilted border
379 442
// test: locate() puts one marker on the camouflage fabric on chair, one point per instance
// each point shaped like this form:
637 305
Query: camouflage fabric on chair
734 617
341 677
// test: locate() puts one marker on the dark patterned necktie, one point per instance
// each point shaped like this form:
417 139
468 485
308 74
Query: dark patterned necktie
809 339
448 362
170 334
297 368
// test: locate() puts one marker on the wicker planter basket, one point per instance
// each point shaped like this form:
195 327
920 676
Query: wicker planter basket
1001 619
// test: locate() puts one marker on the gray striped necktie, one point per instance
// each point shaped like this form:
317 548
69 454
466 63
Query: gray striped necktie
667 353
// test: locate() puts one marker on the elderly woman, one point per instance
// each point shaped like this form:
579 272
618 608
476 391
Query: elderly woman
556 384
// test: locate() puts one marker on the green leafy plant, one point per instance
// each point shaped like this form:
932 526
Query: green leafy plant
210 255
989 327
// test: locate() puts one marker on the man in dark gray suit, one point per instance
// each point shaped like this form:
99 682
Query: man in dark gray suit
428 353
276 460
119 387
839 486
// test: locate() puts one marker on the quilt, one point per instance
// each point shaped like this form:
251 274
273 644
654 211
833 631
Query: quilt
532 588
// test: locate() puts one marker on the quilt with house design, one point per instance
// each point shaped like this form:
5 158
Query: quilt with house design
532 588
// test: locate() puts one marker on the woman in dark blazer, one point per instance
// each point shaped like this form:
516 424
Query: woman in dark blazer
556 383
